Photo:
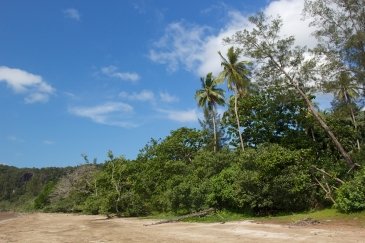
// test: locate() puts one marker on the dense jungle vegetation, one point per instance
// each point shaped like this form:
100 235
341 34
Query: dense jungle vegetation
272 151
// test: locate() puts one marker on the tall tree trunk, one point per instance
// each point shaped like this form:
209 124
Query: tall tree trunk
238 121
323 124
339 146
214 131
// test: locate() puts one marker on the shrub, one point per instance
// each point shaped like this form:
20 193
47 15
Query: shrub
351 195
274 179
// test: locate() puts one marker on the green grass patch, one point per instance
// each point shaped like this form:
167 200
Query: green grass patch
330 216
218 216
325 215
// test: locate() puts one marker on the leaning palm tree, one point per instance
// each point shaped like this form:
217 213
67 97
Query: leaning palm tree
235 72
209 96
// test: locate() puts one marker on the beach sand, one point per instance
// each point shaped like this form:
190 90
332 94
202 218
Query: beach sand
42 227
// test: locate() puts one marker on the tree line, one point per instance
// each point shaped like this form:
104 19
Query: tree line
272 151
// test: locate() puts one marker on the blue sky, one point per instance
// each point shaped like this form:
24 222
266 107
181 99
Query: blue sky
83 77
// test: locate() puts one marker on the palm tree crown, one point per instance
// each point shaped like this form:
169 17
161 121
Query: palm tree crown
209 95
234 71
345 89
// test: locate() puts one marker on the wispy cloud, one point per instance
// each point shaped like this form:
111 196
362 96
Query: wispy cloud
48 142
144 95
111 113
23 82
168 98
140 6
72 13
181 45
182 116
71 95
112 71
149 96
215 8
15 139
195 47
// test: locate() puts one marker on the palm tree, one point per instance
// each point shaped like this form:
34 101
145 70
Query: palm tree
345 90
236 74
209 96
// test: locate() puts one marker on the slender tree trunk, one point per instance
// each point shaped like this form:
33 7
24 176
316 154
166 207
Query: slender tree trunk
214 131
313 137
347 100
238 121
339 146
355 126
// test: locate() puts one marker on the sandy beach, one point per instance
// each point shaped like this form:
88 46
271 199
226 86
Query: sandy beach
42 227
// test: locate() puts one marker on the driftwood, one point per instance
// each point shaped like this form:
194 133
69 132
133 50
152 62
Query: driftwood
191 215
305 222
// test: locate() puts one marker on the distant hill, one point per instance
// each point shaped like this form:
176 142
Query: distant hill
19 186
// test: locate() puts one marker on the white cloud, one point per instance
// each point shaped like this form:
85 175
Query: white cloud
144 95
168 98
72 13
195 48
23 82
180 46
112 71
36 97
111 113
291 14
191 115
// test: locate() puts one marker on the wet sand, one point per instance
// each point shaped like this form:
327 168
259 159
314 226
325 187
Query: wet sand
41 227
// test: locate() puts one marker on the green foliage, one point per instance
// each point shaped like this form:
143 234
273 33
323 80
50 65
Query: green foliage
271 115
275 179
341 22
223 193
43 197
351 195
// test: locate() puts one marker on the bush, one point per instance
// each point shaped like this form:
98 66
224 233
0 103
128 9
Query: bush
274 179
351 195
223 192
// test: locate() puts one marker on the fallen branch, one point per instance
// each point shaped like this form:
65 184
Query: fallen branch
327 174
327 191
192 215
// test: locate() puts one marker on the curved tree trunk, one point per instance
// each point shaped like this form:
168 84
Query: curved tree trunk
238 121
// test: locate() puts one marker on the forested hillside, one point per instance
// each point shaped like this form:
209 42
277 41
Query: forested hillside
19 187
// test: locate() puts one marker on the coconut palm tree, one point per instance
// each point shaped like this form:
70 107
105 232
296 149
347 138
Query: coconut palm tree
346 91
209 96
235 72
